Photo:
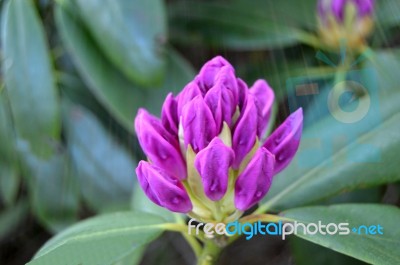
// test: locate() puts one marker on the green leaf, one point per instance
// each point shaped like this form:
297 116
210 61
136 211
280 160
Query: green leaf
11 217
130 33
337 173
104 169
28 77
101 240
9 175
111 88
284 12
234 25
335 157
388 13
374 249
302 250
9 182
53 192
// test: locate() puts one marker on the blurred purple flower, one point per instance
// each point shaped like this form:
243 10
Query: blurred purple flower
213 133
338 8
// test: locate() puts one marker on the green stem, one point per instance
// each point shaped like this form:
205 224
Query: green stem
210 253
192 241
309 39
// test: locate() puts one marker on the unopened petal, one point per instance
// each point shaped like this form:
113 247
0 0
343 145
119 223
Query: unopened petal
220 101
226 78
245 132
169 115
162 188
189 92
285 140
208 72
254 182
264 98
198 124
213 163
159 145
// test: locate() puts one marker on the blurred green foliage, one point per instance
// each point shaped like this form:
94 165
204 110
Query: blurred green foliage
75 72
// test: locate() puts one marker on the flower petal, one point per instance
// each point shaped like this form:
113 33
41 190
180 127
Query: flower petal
213 163
226 77
208 72
163 189
159 145
190 91
254 182
243 90
169 115
285 140
198 124
219 100
244 135
264 98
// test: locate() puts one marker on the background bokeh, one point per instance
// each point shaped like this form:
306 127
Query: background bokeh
75 72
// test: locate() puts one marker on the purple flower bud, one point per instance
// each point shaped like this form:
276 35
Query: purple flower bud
254 182
198 124
245 133
159 145
285 140
209 71
338 8
169 115
162 188
223 121
213 163
264 98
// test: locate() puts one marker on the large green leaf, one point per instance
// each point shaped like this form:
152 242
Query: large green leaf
388 12
101 240
112 89
374 249
53 192
11 217
336 156
28 77
104 169
297 14
235 25
9 177
131 33
376 152
301 251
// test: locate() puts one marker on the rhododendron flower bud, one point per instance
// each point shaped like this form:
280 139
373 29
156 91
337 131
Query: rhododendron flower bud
209 155
349 21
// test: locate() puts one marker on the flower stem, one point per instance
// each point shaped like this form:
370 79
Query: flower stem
309 39
210 253
192 241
